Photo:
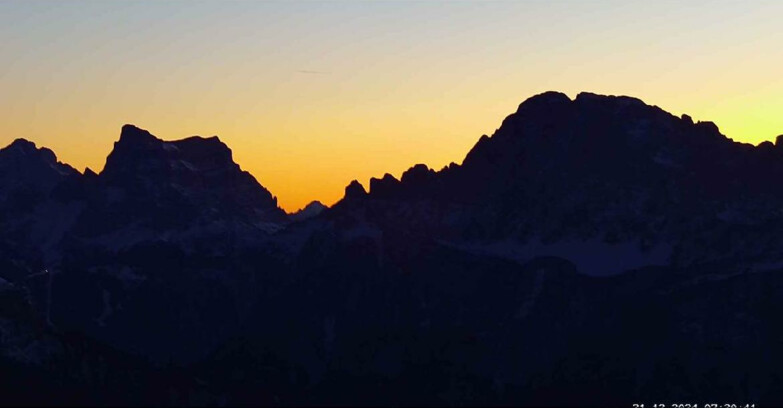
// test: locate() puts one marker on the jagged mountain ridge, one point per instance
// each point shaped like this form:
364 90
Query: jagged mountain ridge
619 139
158 186
147 188
101 253
415 292
549 148
23 164
596 168
28 175
198 166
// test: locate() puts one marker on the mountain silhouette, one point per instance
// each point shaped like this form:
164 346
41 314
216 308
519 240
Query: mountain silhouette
311 210
602 169
200 166
591 251
28 174
152 185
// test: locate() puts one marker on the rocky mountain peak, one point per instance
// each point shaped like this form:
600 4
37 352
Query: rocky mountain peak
385 187
24 164
134 136
139 152
21 145
22 149
174 184
355 190
589 159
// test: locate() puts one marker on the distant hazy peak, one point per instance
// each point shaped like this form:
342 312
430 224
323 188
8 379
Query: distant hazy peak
309 211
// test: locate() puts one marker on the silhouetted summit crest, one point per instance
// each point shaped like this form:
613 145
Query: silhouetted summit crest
23 164
583 162
543 101
355 190
140 151
132 135
25 149
609 100
20 145
417 174
385 187
175 184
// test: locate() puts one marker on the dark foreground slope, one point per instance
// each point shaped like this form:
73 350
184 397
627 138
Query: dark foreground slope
595 251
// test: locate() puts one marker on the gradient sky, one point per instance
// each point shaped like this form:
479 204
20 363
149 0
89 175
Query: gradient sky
310 95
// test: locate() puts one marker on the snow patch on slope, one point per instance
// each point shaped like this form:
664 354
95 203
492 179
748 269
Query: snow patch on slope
592 257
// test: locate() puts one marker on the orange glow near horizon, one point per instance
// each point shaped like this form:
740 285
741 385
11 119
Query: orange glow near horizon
310 96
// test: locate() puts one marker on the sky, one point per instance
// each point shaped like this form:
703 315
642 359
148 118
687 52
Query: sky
311 95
